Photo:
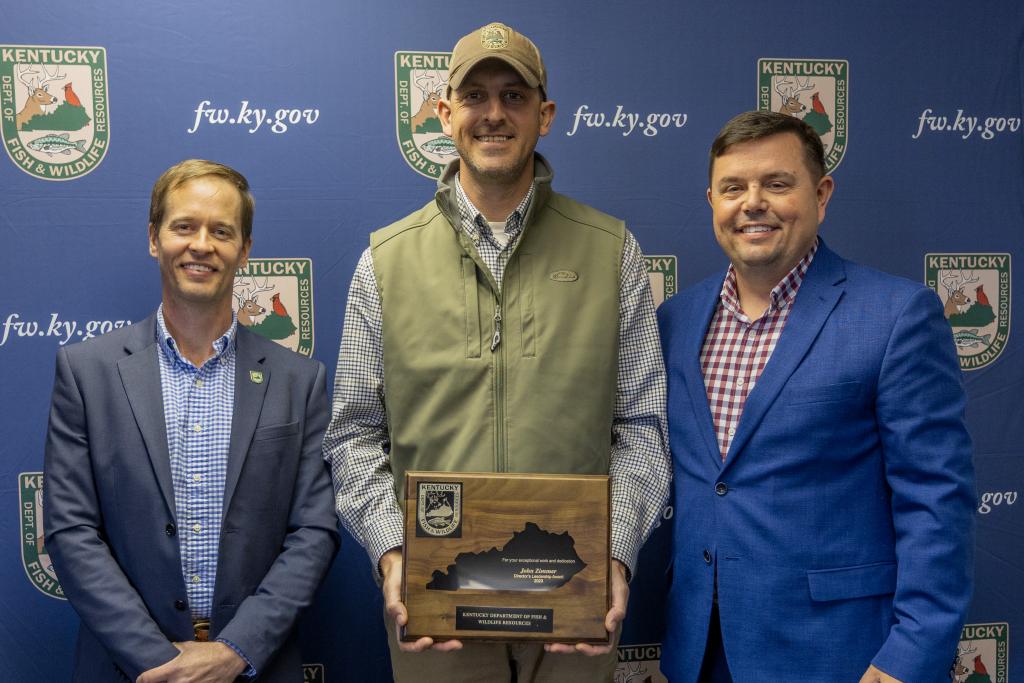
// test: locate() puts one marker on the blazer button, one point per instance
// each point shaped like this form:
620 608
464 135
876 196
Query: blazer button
707 556
170 530
721 488
180 605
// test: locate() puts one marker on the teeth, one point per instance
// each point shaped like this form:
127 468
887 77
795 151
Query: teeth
198 267
495 138
753 229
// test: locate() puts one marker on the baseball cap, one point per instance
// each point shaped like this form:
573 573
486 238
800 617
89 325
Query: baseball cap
497 41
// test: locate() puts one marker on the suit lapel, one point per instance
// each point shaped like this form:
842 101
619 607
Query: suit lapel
693 341
251 379
140 376
818 295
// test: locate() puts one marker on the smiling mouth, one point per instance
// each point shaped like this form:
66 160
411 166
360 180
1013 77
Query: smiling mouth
493 138
198 268
757 229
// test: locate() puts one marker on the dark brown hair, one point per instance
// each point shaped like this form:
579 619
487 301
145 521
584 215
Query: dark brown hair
754 125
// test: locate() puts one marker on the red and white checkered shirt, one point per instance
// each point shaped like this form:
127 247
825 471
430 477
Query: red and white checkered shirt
736 349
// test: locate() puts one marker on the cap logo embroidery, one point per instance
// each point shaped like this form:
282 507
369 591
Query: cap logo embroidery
494 37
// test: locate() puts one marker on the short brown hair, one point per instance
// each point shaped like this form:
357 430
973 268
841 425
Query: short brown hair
754 125
190 169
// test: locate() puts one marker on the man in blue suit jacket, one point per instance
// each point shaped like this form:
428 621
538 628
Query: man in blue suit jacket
823 472
189 514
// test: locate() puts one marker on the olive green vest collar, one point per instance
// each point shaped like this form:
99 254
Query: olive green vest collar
447 197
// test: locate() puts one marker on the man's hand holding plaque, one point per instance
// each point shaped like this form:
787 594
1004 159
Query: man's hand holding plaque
391 568
612 621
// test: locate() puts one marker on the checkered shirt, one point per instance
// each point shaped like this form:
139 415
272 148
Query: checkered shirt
198 407
354 445
736 348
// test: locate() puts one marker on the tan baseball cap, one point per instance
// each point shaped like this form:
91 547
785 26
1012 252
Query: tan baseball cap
497 41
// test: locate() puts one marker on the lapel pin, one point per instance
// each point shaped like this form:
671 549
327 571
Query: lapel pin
256 376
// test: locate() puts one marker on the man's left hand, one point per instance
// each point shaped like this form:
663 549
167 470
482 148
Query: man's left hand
198 663
612 621
873 675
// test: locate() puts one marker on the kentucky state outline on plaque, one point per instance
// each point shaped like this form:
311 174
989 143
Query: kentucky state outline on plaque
274 299
55 109
533 560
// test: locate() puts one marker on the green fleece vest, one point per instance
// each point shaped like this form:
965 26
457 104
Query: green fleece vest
541 400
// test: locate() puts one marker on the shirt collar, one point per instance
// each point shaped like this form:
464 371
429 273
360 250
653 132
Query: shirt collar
782 294
473 222
223 346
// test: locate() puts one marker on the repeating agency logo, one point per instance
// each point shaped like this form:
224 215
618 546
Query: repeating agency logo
274 298
421 79
34 557
781 87
982 655
975 290
55 109
639 664
662 272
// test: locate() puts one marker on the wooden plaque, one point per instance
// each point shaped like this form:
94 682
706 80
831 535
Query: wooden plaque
506 556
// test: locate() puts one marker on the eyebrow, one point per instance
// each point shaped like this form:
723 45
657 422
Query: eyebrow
769 176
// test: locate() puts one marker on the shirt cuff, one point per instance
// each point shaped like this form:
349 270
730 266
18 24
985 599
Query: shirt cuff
250 671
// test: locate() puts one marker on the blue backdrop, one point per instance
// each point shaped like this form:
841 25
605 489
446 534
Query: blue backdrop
919 105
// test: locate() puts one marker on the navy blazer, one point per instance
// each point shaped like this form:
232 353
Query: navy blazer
111 526
840 524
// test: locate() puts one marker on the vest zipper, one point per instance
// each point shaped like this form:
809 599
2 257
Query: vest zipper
499 392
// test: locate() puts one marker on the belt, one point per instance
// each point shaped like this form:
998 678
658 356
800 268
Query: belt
201 629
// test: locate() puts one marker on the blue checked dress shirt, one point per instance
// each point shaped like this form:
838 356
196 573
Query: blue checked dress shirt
198 408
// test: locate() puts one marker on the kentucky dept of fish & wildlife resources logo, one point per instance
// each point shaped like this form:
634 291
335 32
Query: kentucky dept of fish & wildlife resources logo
439 509
815 90
421 80
639 664
982 655
274 299
34 557
975 292
54 108
662 272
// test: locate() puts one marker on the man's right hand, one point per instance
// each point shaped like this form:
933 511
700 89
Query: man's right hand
391 568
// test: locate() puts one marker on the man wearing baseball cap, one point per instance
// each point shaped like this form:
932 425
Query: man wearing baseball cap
506 328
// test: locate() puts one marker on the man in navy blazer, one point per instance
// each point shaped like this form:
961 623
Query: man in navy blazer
189 513
823 474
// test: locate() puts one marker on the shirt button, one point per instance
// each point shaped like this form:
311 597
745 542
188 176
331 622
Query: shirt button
180 605
732 431
739 382
199 382
196 528
721 488
197 477
197 428
707 556
170 530
195 578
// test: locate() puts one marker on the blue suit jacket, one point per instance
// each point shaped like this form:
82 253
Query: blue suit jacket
109 506
841 522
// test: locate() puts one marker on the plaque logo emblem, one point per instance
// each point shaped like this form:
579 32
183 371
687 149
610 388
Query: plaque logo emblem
55 109
975 292
662 273
439 509
34 557
421 80
274 299
815 90
982 655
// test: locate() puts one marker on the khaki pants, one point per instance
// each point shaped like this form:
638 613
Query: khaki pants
494 663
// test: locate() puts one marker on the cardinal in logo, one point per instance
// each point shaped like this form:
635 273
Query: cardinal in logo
70 97
980 296
275 302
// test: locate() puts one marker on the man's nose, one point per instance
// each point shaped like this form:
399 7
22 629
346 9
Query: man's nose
753 200
201 241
